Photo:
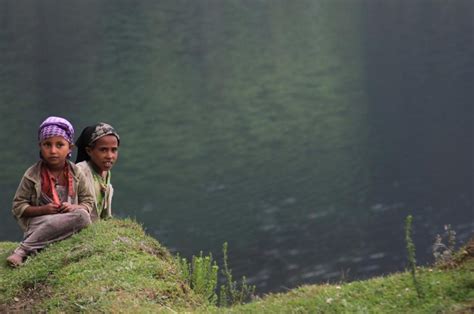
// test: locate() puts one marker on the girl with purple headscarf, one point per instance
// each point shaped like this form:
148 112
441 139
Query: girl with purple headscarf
52 200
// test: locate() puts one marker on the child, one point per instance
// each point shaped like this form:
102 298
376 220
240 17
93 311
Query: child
97 152
52 201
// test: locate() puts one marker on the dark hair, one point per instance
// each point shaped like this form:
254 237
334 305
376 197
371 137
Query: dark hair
90 135
82 142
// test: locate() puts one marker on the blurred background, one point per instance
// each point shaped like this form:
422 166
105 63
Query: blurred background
301 132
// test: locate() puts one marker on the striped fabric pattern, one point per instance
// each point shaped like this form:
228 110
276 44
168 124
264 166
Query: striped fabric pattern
56 126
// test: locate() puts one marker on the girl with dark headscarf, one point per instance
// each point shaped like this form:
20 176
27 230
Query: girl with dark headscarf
52 200
97 152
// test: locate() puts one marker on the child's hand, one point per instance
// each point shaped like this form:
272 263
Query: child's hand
51 208
67 207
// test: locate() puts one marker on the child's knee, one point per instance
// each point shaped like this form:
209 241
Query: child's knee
83 217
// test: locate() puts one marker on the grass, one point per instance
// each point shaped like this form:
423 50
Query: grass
113 266
110 266
445 291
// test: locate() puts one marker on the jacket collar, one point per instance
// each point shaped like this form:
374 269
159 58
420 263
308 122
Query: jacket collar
34 172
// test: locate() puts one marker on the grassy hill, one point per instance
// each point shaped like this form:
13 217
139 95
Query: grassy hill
114 266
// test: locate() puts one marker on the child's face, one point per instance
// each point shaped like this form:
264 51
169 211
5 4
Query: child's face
104 153
55 151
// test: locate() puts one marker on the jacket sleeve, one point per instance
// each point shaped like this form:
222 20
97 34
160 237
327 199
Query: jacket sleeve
24 196
85 197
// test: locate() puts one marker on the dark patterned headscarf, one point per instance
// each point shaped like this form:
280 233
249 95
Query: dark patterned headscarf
56 126
90 135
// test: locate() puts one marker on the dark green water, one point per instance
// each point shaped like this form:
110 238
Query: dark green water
301 132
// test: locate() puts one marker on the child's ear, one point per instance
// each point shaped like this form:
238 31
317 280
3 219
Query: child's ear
69 155
88 150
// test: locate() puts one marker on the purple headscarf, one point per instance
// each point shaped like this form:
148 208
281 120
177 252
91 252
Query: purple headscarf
56 126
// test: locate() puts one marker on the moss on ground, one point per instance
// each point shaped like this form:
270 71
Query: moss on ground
114 266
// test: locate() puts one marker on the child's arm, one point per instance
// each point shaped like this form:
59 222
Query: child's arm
48 209
85 198
23 199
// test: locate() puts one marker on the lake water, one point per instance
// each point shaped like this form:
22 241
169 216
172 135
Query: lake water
301 132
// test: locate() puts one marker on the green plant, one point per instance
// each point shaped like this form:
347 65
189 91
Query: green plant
411 254
201 275
230 292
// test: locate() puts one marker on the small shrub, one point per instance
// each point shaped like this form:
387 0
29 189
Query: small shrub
231 293
411 254
201 275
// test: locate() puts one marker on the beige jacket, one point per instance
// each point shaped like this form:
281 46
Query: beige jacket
28 192
86 169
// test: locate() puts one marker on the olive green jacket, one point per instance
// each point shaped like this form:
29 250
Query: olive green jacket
28 192
106 212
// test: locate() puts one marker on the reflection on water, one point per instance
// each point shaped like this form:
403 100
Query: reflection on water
300 132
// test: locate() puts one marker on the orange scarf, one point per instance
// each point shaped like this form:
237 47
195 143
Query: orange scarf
48 183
